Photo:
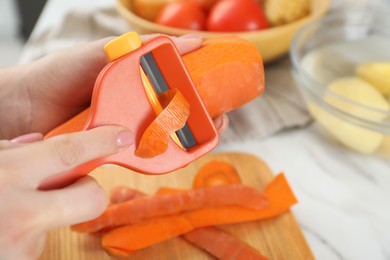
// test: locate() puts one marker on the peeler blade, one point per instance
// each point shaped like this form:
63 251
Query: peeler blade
160 85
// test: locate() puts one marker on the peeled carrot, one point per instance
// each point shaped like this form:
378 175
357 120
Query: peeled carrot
136 210
154 140
222 245
227 72
216 173
130 238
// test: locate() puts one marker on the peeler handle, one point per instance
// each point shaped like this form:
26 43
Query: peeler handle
75 124
121 97
114 49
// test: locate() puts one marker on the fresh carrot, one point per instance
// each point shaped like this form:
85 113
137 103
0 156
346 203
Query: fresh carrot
227 72
216 173
130 238
136 210
154 140
222 245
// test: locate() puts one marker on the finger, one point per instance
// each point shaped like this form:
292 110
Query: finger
187 43
122 194
184 44
60 84
31 164
221 122
6 144
28 138
67 76
23 139
81 201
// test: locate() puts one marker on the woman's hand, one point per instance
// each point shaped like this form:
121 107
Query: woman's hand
35 98
39 96
26 213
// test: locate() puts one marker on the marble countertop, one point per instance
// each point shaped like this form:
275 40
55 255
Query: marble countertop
344 197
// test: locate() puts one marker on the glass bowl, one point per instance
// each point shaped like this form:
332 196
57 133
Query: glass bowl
327 57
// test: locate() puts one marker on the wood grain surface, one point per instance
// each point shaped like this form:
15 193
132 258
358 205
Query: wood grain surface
278 238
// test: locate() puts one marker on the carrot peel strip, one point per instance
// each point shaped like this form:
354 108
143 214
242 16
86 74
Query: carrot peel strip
221 244
154 140
136 210
215 241
278 192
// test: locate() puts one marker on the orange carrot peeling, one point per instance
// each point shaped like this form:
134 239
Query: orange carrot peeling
215 241
222 245
136 210
133 237
154 140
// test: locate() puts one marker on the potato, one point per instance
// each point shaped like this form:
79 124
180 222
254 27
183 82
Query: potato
280 12
148 9
377 74
355 137
352 136
361 92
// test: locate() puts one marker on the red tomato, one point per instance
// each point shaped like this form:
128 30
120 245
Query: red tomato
185 15
236 16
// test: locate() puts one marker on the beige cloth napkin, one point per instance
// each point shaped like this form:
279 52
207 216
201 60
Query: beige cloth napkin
280 107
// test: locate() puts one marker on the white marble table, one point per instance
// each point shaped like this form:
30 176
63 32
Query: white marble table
344 207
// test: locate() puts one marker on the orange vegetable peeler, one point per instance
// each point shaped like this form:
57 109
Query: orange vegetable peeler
125 93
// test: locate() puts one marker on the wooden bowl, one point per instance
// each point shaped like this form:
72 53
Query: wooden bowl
272 43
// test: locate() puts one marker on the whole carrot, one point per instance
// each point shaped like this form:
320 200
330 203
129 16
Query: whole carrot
227 72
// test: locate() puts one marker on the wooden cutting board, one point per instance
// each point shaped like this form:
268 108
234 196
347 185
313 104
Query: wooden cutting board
278 238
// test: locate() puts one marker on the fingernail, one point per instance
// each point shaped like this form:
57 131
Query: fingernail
221 122
124 139
28 138
191 36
